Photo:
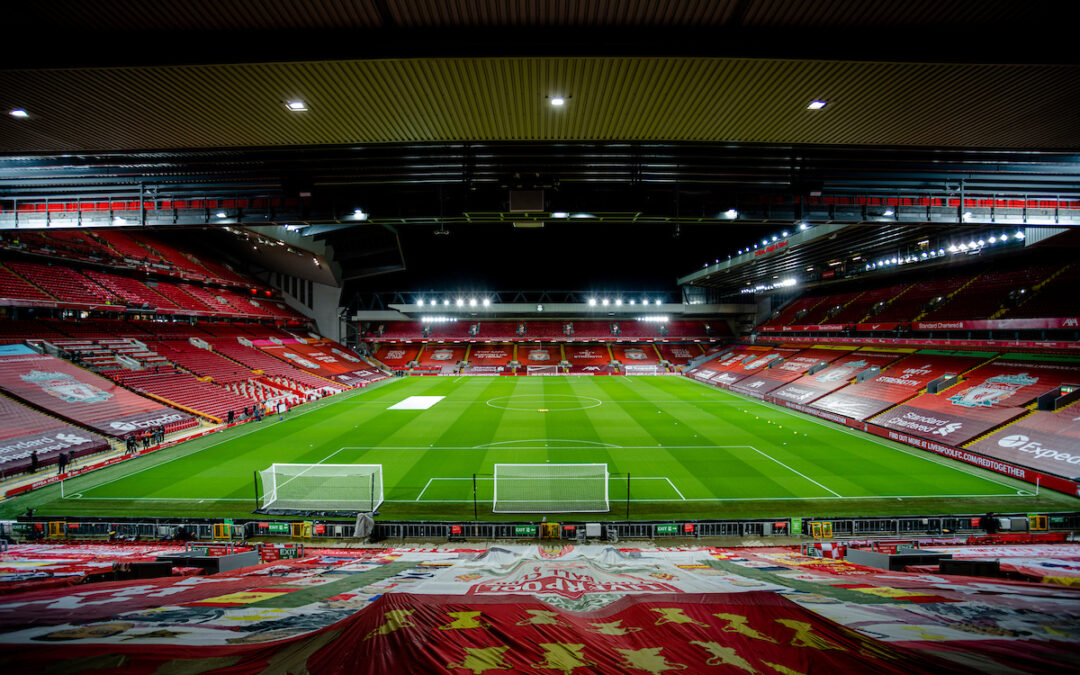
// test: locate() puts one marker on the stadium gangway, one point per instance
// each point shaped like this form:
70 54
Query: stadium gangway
852 527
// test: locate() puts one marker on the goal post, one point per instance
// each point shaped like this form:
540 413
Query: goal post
321 487
542 370
551 488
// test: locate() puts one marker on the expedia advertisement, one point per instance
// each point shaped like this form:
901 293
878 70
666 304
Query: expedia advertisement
1045 441
122 426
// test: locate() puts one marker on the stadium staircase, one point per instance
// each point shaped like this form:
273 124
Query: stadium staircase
947 299
882 305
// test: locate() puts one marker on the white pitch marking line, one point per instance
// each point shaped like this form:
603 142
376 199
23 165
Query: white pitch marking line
674 488
257 426
924 455
724 499
794 471
419 496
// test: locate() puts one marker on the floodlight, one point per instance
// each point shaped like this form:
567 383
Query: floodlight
460 302
618 302
1019 235
816 104
604 302
487 302
592 302
296 106
19 112
472 302
420 302
888 212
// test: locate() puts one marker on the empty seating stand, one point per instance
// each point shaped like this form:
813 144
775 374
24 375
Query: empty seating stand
184 390
14 287
202 362
63 283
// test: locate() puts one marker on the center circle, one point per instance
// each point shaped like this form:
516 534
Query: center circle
549 402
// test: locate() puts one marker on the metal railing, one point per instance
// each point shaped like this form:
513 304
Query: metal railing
209 530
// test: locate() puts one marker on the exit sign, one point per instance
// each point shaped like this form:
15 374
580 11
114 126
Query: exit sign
525 530
667 529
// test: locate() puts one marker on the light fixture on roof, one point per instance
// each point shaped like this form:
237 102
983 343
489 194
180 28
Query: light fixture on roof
967 215
993 239
952 248
359 214
656 302
472 302
784 233
633 302
296 106
618 302
487 302
731 213
420 302
460 302
645 301
803 226
19 112
816 104
1019 235
221 214
446 302
560 214
888 212
605 302
982 242
774 237
557 101
592 302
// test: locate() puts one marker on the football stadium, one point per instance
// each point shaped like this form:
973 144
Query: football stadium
442 336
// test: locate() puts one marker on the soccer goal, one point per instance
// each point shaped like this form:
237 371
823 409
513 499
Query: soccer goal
542 370
551 488
321 487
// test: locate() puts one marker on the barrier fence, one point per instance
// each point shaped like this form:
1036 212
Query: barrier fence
39 528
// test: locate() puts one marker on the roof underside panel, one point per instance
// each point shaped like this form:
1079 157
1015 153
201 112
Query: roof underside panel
503 99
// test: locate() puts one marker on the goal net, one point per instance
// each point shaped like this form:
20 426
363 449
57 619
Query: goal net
321 487
551 488
542 370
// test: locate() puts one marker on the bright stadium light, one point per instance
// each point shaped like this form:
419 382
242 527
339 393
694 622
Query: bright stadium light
731 213
764 242
604 302
774 238
420 302
816 104
487 302
592 302
632 302
472 302
460 302
803 226
784 233
221 214
560 214
446 302
618 302
656 302
359 214
993 239
1019 235
888 212
982 242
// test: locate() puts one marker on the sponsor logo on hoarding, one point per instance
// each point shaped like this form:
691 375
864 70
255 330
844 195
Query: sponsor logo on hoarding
1025 444
301 360
753 365
993 390
949 428
132 425
842 372
442 355
797 393
65 387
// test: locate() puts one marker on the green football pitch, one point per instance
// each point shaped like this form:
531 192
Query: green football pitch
674 449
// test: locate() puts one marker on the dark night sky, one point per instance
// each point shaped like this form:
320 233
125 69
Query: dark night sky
573 255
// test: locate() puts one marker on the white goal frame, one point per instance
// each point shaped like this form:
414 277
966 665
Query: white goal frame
495 506
369 482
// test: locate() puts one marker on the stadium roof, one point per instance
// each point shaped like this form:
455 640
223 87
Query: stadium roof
674 111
